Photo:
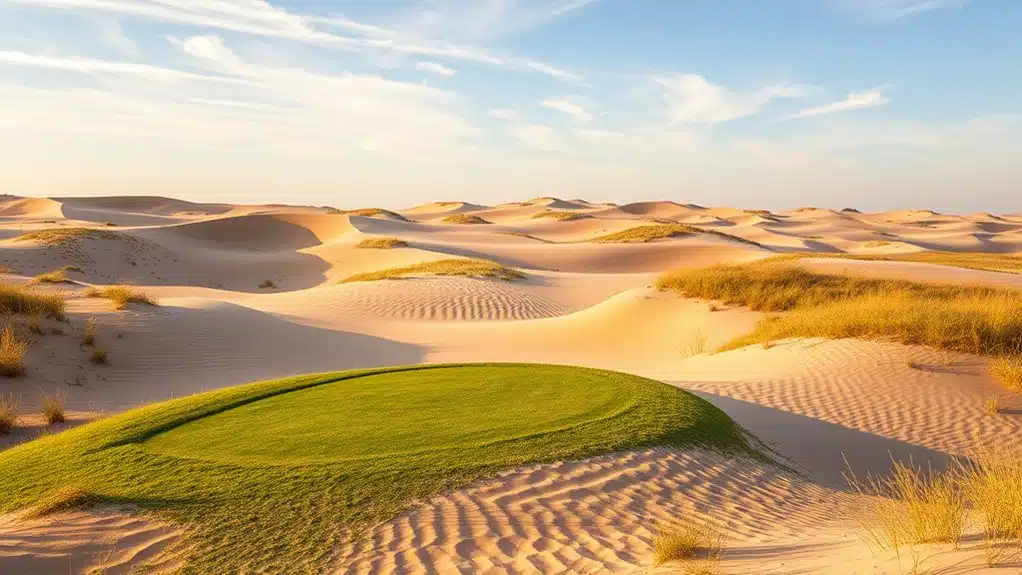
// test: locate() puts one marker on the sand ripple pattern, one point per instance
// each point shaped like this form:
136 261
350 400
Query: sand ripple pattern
590 516
444 299
96 541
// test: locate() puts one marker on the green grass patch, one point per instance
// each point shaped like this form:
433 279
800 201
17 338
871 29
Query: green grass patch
970 319
270 476
462 219
381 243
652 232
561 215
449 267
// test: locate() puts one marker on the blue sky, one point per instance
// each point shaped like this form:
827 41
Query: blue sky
776 103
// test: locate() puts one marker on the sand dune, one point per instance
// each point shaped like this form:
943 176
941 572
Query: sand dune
815 403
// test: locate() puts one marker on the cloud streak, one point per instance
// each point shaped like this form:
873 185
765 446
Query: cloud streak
854 101
569 108
692 99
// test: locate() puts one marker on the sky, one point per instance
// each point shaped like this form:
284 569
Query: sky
873 104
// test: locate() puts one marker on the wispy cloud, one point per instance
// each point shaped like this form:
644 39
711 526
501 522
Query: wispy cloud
436 68
854 101
506 115
565 107
895 9
691 99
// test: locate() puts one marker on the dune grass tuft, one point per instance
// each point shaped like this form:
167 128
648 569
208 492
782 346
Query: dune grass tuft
991 479
1005 263
374 213
53 406
526 236
268 284
18 299
1008 370
63 499
52 277
969 319
9 411
652 232
448 267
66 236
90 332
561 215
381 243
99 356
12 352
688 541
121 295
463 219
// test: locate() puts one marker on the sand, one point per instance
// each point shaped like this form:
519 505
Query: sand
816 404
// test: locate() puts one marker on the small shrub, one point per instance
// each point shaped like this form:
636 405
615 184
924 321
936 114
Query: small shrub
687 542
121 295
89 335
99 356
268 284
64 499
53 406
9 407
12 353
381 243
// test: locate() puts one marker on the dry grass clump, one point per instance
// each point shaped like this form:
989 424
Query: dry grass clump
57 276
12 353
992 482
53 406
876 244
449 267
381 243
373 213
704 542
968 319
17 299
527 236
912 505
561 215
652 232
1006 263
1008 370
64 499
121 295
268 284
89 335
98 356
65 236
462 219
993 405
9 409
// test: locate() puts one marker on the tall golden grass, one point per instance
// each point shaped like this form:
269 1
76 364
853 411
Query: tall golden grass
9 411
970 319
381 243
689 541
12 352
53 406
18 299
991 479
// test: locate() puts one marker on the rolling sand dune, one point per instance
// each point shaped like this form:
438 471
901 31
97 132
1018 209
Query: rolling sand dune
819 405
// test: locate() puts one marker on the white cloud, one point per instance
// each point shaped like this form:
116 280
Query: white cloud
96 66
854 101
569 108
506 115
537 137
894 9
112 34
482 20
435 68
691 99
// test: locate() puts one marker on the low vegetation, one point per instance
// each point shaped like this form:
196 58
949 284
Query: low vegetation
1008 370
1009 263
970 319
64 499
992 482
53 406
448 267
121 295
263 479
268 284
53 277
373 213
381 243
12 352
464 219
18 299
9 411
99 356
562 215
689 541
652 232
90 332
526 236
55 237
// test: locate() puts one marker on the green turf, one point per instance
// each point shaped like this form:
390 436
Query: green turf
270 476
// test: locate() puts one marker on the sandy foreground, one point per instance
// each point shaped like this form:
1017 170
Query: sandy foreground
816 403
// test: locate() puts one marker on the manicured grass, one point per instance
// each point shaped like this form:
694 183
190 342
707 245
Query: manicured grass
1007 263
464 219
562 215
271 476
381 243
652 232
971 319
449 267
